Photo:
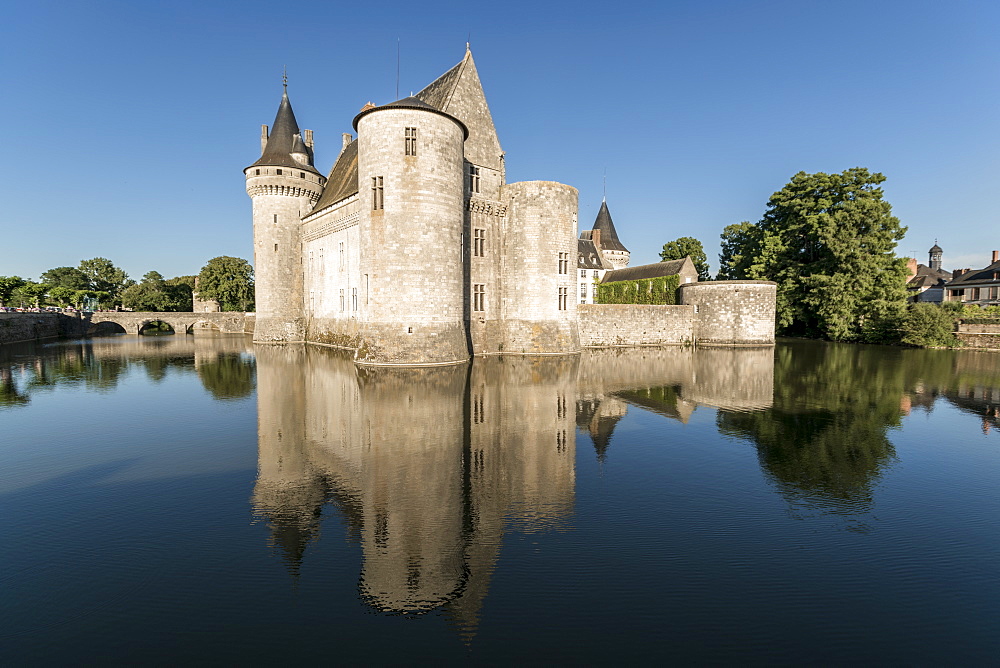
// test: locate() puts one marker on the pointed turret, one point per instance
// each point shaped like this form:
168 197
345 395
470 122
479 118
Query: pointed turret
606 239
284 147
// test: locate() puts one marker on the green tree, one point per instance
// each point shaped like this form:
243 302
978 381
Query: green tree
828 241
66 277
8 284
62 295
928 325
681 248
104 276
182 288
154 293
229 280
29 294
739 248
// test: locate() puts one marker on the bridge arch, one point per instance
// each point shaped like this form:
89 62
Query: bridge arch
144 324
106 328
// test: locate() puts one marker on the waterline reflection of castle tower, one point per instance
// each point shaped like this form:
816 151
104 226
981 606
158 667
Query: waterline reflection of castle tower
429 465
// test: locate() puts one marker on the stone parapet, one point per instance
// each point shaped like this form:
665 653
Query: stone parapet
606 325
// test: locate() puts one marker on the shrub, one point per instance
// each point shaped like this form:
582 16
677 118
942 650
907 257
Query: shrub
926 325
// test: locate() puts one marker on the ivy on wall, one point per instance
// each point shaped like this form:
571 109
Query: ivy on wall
659 290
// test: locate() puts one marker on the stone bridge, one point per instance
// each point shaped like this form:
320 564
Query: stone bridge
229 322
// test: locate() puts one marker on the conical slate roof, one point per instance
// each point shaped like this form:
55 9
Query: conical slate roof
284 140
936 249
609 237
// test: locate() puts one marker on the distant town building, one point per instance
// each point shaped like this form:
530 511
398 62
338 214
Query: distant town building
977 286
925 283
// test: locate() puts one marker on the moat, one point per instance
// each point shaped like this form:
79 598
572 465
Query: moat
198 499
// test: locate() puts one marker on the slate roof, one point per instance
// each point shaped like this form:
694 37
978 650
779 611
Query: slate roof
438 92
588 255
284 140
927 277
609 237
642 271
936 249
343 179
989 274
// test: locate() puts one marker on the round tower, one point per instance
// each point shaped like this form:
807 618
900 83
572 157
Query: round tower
540 285
284 186
410 171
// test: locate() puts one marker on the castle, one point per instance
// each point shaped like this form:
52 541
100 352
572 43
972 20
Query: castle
415 249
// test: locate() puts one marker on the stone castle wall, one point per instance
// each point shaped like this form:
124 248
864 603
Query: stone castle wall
606 325
17 327
732 312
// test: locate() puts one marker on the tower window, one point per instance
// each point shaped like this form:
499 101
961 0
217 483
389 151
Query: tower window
378 194
563 263
275 248
479 297
411 141
342 299
279 172
354 299
473 179
479 242
341 253
275 219
302 175
563 298
258 173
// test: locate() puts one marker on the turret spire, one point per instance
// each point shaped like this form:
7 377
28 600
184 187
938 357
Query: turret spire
284 144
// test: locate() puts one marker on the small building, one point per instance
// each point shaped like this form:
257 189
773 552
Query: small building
976 286
925 283
598 251
684 269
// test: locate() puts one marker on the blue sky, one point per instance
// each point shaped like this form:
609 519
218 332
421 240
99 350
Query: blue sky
128 124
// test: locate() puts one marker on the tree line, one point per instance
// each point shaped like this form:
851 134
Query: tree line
829 242
228 280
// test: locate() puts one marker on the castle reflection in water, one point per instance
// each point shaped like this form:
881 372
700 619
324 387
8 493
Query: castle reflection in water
430 466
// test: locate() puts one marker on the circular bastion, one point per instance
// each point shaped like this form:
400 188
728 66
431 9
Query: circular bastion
732 313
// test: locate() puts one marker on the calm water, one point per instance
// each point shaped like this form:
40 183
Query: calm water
200 500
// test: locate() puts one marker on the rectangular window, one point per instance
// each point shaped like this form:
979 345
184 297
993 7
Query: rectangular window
595 275
312 300
583 290
341 253
354 299
279 172
366 288
342 299
411 141
258 173
275 248
479 297
563 263
563 298
275 219
473 179
378 197
583 273
479 243
302 175
975 295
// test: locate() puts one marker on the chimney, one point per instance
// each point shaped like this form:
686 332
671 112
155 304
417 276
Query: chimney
347 139
911 268
595 236
996 256
308 138
263 138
